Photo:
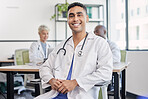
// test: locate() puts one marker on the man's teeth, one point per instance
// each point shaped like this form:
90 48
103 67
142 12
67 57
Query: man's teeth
76 24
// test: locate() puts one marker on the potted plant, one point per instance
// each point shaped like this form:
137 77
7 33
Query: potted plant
62 10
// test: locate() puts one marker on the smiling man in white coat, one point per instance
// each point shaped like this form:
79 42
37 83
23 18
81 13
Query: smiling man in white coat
78 63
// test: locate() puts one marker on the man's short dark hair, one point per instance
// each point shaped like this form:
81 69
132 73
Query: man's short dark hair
77 4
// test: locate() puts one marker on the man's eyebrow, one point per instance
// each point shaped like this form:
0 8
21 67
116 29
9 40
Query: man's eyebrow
79 13
71 13
76 13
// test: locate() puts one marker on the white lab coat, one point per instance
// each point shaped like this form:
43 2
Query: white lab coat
115 51
36 53
94 66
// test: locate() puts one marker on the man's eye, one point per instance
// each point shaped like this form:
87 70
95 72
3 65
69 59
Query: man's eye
79 15
71 16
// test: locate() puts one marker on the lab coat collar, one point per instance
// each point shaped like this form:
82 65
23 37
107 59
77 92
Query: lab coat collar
70 42
89 37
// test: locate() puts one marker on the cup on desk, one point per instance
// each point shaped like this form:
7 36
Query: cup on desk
34 64
39 64
29 64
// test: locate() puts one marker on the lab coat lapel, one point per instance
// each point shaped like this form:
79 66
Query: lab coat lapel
41 49
89 37
47 50
70 42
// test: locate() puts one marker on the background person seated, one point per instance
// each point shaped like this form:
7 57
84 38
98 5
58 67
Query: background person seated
39 50
100 30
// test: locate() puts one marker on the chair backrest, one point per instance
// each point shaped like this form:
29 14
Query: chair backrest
25 55
21 56
123 55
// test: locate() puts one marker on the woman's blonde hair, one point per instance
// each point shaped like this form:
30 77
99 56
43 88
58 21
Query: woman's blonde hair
43 27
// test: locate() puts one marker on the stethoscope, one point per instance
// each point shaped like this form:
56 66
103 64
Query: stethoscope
80 53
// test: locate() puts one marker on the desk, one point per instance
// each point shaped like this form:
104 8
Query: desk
117 69
6 61
10 70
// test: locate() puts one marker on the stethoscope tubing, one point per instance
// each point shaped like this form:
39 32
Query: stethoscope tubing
64 46
84 42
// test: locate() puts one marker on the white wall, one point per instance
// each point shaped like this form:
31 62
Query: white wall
19 20
137 72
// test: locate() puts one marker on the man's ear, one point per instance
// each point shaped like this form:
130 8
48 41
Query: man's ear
105 32
87 18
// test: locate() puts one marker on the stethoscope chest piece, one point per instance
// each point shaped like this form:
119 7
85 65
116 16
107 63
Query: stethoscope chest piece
80 53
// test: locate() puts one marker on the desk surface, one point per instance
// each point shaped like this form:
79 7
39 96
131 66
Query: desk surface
20 68
6 61
116 68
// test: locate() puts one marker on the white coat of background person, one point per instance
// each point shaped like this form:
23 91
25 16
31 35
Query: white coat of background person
100 30
93 66
37 54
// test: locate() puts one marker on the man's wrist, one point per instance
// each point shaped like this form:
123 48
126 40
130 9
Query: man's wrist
50 81
75 82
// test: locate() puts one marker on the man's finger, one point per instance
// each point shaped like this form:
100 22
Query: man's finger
60 89
65 91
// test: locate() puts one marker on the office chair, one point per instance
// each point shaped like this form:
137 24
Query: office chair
25 59
25 55
3 84
103 89
123 55
18 60
22 58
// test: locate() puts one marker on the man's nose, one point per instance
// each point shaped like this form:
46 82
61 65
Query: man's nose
75 18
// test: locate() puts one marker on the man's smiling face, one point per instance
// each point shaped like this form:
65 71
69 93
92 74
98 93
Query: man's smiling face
77 19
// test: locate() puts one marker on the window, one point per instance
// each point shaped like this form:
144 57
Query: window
116 32
138 11
122 15
132 12
138 26
137 33
146 8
